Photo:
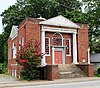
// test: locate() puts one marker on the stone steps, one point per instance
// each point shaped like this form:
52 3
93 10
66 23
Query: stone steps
70 71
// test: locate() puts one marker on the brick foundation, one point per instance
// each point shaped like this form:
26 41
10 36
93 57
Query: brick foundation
52 72
88 69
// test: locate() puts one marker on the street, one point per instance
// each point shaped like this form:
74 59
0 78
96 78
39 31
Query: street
87 84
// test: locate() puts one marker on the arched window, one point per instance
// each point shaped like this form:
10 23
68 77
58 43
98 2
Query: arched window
57 39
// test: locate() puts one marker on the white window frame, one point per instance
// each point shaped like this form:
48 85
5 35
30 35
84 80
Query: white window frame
69 47
20 44
13 72
14 51
60 35
22 41
49 47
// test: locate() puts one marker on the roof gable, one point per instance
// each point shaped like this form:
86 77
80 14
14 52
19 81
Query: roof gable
14 32
60 21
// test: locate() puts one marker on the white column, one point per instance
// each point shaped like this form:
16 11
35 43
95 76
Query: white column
53 60
88 56
74 49
43 63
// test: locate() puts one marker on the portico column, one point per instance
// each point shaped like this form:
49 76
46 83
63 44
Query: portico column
43 63
53 61
88 56
74 49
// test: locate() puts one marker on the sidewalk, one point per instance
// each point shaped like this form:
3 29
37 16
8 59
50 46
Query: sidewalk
46 82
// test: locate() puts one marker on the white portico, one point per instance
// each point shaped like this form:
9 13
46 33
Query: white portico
58 26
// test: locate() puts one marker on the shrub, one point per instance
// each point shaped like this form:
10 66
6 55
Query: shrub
3 68
29 57
98 69
0 68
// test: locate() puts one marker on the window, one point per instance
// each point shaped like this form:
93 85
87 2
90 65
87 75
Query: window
68 47
14 72
19 44
47 46
14 51
22 41
57 39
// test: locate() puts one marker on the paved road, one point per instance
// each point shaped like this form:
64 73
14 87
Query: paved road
88 84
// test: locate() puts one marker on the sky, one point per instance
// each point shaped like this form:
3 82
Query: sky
4 4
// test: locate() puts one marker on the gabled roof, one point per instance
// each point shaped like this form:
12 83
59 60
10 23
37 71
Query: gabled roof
14 32
60 21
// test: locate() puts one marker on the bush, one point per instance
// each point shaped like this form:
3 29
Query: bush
29 57
3 68
98 70
0 68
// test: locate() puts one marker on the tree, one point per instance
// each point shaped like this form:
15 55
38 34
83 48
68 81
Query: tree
35 8
93 19
3 43
29 57
46 8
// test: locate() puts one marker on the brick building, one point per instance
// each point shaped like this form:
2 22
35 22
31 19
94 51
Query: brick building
62 41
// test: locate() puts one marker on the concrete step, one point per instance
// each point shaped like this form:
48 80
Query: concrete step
70 71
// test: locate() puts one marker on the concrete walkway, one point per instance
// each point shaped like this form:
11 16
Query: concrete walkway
13 82
7 79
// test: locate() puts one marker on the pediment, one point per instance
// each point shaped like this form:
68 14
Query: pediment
60 21
14 32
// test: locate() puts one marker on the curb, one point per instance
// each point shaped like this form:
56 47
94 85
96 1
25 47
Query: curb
46 82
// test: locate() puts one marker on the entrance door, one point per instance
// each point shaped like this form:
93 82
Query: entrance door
58 57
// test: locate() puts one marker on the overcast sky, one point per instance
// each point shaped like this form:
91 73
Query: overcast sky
4 4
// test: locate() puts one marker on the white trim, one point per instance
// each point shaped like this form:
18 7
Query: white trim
43 62
53 54
60 21
20 44
61 30
74 49
14 32
15 73
22 41
49 47
88 56
14 51
14 64
12 72
53 59
69 47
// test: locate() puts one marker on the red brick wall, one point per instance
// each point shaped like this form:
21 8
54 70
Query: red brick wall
88 69
83 43
52 72
68 59
11 60
32 31
28 28
21 33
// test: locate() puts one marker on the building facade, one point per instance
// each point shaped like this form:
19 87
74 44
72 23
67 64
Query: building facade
62 41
